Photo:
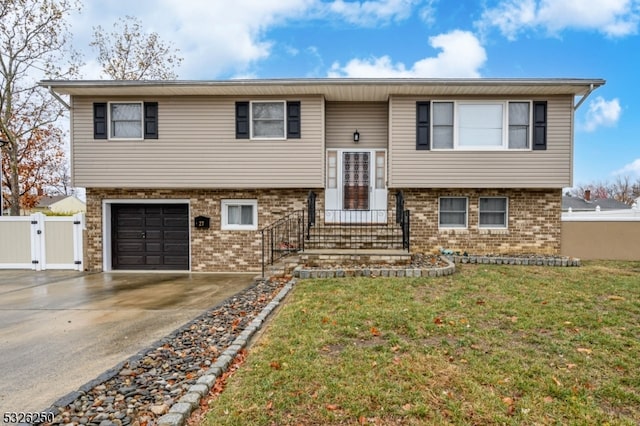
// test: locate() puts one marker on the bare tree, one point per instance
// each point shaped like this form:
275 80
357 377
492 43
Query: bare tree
130 54
623 189
34 40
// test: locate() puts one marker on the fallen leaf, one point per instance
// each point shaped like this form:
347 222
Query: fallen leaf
556 381
584 351
570 366
269 405
395 348
325 320
480 302
331 407
375 331
514 319
406 407
437 321
275 365
396 360
362 420
507 400
548 399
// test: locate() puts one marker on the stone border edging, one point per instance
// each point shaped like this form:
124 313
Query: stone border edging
180 411
379 271
515 260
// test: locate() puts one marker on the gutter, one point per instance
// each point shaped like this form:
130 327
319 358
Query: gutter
62 101
585 96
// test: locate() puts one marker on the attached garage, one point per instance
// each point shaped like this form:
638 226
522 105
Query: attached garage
149 236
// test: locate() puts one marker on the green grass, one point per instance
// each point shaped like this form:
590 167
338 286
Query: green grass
488 345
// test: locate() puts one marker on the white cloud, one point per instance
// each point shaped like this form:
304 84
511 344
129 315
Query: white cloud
461 55
218 37
614 18
602 113
632 168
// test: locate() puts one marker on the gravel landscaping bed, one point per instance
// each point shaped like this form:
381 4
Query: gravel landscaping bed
144 388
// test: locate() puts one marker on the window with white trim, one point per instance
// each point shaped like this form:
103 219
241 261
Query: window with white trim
268 120
239 215
467 125
452 212
492 212
125 120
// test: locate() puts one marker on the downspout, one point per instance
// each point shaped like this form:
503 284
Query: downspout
584 98
62 101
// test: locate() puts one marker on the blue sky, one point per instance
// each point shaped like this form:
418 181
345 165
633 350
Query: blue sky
222 39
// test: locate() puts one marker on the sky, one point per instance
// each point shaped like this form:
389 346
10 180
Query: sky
229 39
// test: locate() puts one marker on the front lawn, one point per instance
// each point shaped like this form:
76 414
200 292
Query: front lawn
488 345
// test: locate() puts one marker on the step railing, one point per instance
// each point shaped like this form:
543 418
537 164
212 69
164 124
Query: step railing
358 229
282 238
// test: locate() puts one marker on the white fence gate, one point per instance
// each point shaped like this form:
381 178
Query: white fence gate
40 242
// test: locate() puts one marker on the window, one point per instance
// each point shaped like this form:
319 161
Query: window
240 215
443 125
480 125
125 120
332 169
518 125
469 125
380 171
453 212
493 212
267 120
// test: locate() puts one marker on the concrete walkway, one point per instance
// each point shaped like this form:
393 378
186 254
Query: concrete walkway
61 329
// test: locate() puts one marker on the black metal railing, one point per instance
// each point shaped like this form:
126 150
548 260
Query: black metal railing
283 237
357 229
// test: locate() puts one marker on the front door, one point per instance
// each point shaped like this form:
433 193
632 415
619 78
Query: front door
356 189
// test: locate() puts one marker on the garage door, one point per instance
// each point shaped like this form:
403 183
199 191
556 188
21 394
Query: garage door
150 236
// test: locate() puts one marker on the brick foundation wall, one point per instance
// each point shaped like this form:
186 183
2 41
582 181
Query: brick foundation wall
212 250
533 221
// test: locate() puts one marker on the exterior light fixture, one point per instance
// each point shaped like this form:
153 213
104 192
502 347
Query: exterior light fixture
356 136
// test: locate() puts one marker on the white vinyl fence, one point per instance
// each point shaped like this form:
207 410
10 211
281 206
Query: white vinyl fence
40 242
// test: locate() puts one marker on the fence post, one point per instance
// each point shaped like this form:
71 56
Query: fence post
38 258
78 239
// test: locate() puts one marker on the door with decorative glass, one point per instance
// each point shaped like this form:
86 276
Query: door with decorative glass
356 186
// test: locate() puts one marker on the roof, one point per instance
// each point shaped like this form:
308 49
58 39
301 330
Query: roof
49 200
579 204
333 89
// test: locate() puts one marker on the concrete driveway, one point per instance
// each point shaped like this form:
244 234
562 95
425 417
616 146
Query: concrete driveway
61 329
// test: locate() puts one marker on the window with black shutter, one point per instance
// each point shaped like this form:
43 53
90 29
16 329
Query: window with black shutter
100 120
422 125
540 125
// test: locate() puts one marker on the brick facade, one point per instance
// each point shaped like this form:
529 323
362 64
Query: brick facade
533 227
211 249
533 221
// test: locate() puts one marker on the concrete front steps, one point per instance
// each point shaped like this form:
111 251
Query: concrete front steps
333 257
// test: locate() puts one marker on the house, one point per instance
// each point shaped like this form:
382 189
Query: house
184 175
61 204
587 204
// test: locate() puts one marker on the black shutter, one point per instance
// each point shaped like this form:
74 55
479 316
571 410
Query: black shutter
293 120
151 120
539 125
422 125
100 120
242 120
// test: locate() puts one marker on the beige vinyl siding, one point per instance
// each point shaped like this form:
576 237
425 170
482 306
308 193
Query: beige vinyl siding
480 169
369 118
197 148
